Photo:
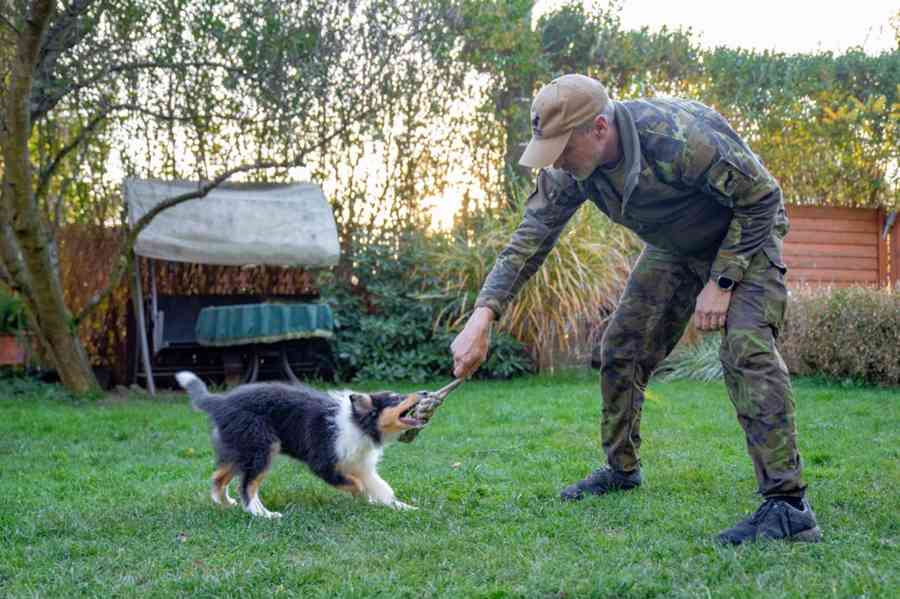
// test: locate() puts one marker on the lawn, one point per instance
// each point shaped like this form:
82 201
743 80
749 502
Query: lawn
111 499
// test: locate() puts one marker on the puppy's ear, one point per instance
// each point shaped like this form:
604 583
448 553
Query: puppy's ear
362 403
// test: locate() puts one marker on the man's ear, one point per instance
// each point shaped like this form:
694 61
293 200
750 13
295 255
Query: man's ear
362 403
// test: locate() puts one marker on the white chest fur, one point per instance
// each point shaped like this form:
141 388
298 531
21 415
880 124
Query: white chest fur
355 450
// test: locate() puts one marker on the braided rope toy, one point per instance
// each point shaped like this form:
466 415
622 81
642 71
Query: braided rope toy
426 407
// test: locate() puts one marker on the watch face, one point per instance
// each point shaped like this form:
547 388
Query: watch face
725 283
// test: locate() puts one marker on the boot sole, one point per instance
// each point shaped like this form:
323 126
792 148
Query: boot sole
586 494
810 535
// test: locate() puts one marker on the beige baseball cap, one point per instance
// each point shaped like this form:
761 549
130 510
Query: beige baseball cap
558 108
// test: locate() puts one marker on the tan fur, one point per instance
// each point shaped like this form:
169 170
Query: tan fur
222 476
355 488
253 487
389 420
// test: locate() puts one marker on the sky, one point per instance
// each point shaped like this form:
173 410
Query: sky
789 26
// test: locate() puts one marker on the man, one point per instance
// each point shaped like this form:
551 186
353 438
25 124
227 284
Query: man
674 172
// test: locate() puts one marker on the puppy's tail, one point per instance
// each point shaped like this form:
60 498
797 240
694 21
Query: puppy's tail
200 396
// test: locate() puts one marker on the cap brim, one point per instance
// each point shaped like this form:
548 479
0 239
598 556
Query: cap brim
544 152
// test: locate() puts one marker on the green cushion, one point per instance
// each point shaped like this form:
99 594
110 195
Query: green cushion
263 323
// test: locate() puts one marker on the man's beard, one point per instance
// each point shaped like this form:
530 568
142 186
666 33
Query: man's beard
584 173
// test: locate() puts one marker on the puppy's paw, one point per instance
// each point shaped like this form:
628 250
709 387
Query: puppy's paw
399 505
258 510
224 500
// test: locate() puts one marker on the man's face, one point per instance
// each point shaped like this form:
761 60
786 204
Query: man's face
581 156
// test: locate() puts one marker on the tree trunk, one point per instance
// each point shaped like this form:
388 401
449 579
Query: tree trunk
34 271
49 309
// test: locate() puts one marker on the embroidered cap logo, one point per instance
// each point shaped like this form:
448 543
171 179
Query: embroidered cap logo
536 126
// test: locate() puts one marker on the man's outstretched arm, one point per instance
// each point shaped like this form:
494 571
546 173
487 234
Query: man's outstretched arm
549 208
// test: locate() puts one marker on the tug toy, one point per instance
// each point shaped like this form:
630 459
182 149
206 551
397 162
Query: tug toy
425 408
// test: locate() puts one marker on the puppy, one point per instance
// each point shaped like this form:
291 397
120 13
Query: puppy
340 436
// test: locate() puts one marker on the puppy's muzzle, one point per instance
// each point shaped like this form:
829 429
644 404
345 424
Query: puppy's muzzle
407 417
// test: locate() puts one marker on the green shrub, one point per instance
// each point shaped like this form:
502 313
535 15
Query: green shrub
848 334
389 316
12 315
851 333
17 385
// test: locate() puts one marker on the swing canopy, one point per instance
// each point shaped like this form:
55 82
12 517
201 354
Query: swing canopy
236 224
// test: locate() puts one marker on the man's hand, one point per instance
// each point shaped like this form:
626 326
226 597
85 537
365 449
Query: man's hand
712 308
470 347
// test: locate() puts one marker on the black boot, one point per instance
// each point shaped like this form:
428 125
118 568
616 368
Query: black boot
601 481
776 518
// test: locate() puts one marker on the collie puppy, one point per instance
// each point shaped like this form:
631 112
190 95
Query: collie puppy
340 436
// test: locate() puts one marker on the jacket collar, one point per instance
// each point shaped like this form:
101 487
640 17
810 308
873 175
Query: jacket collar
631 146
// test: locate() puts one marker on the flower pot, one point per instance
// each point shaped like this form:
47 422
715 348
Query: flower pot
12 352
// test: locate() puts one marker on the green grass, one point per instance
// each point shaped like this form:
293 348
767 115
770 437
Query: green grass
110 499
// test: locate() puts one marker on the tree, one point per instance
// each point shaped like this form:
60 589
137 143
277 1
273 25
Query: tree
193 89
515 54
827 126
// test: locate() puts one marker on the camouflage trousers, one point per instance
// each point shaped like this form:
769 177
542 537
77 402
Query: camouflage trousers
653 312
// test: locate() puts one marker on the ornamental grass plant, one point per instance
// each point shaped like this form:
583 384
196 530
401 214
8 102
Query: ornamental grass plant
697 359
569 297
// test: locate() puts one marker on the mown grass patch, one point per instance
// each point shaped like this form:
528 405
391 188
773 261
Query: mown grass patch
111 499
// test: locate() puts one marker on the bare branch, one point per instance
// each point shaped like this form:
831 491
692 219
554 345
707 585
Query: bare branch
60 204
62 35
8 23
188 118
47 173
45 101
172 118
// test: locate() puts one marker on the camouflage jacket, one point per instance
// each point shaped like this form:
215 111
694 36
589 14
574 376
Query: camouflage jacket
692 187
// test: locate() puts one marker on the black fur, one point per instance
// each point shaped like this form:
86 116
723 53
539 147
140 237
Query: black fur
253 422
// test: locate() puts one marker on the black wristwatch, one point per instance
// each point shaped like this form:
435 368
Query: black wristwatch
724 283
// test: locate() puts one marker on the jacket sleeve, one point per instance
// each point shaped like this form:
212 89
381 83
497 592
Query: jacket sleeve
553 202
722 165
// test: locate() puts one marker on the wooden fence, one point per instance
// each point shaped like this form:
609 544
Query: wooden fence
841 247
